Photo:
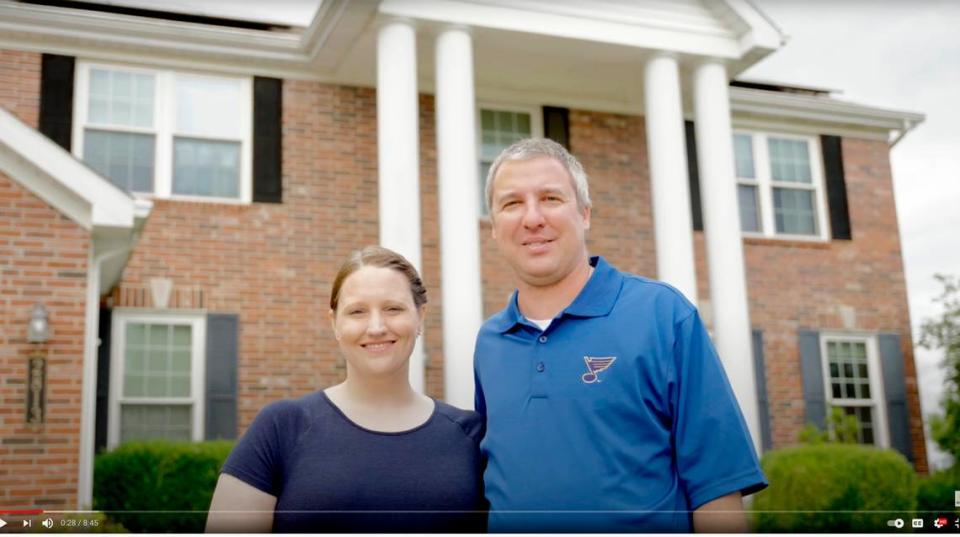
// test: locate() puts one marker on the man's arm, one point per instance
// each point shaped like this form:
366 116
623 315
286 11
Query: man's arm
723 515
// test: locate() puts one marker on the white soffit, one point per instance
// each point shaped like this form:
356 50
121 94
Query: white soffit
57 177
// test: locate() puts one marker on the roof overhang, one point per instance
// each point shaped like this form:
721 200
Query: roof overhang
298 53
753 108
731 30
113 217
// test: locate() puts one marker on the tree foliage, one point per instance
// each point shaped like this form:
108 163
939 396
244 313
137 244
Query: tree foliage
943 332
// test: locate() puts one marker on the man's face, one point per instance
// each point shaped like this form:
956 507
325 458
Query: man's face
536 221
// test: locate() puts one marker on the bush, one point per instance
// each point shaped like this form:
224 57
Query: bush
832 488
158 486
935 492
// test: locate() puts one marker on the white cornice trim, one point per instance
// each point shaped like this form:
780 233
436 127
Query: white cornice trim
58 178
819 110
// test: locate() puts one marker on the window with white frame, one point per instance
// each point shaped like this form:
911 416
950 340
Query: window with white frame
499 128
780 185
166 133
852 378
156 379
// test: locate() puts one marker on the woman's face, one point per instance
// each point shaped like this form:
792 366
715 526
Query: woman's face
376 322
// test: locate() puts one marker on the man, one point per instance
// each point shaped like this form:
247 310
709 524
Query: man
607 407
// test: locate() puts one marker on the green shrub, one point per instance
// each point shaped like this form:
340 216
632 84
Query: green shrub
935 491
158 486
833 488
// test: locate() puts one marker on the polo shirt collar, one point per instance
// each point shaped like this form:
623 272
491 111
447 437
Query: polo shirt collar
596 299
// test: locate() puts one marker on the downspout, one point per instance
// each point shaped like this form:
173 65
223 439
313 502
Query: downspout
907 127
88 402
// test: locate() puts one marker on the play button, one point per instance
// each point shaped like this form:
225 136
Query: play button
2 522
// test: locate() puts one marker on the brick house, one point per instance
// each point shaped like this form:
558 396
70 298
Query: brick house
202 178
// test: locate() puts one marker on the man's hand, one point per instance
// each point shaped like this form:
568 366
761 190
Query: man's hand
723 515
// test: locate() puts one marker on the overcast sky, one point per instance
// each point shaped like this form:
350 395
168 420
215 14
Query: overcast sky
903 55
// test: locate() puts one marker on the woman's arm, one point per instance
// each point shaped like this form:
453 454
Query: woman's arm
239 508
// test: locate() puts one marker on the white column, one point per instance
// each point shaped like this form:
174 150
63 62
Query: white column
398 146
459 198
721 224
666 149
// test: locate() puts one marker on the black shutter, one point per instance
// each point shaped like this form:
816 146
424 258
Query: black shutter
811 370
693 175
895 390
267 140
836 187
103 380
56 98
763 403
223 336
556 125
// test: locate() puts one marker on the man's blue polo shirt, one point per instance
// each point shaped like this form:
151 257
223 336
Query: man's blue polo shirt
616 418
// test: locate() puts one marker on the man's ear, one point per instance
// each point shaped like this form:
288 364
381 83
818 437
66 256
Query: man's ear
586 218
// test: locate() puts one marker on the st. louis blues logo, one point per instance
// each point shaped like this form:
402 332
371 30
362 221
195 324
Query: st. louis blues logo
596 364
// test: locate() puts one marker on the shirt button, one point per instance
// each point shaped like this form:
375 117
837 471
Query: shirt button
543 339
540 367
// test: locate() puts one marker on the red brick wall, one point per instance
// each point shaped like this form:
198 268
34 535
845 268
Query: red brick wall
20 84
43 258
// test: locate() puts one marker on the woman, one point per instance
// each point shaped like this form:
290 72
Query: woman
369 454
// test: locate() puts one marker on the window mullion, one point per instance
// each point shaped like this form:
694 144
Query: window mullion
165 115
762 171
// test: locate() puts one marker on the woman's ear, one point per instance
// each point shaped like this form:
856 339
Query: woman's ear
333 324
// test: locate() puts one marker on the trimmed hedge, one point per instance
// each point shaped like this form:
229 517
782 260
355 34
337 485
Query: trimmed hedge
832 488
935 492
158 486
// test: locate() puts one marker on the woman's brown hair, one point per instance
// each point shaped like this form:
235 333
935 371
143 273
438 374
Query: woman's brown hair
378 256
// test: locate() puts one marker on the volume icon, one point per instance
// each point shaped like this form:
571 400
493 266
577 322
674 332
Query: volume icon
48 523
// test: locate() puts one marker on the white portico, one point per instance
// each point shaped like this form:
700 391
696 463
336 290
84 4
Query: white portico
642 58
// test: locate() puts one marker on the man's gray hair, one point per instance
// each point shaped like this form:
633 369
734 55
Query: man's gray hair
530 148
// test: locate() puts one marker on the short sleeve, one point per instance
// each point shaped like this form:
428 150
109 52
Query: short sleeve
715 453
479 401
257 459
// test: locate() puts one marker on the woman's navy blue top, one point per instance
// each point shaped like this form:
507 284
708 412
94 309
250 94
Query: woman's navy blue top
331 475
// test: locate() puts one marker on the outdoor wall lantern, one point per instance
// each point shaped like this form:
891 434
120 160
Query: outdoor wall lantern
38 331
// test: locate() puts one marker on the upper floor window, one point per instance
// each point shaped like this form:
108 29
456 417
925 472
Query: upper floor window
165 133
780 185
499 128
853 384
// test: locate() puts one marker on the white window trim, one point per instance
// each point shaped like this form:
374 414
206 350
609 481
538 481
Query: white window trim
878 401
536 131
164 122
765 185
198 323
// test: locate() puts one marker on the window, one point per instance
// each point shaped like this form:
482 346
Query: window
853 384
156 377
780 185
165 133
500 127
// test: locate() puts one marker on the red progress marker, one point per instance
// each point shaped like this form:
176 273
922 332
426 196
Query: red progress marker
21 511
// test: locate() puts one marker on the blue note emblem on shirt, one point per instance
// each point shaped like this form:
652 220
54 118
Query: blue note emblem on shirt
596 364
